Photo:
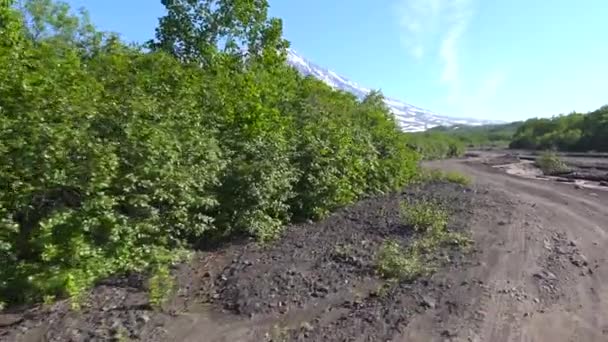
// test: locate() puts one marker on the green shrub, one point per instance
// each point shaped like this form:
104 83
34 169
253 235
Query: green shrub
457 177
160 287
393 261
425 216
435 145
426 175
551 164
115 158
430 220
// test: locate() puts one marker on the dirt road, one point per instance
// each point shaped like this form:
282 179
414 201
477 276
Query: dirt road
542 268
537 272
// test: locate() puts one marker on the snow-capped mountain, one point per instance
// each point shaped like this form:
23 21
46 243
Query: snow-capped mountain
411 118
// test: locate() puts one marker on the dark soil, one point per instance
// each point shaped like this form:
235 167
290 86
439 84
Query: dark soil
318 282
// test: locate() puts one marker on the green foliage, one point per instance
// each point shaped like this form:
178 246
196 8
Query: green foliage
395 262
425 216
551 164
426 175
457 177
435 145
114 158
160 286
430 220
572 132
496 135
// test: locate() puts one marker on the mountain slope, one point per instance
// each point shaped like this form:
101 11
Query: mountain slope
410 118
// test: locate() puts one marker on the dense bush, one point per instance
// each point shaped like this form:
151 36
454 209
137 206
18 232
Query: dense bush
573 132
436 145
551 164
494 135
117 157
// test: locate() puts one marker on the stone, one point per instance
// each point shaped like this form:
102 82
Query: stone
10 319
428 301
307 327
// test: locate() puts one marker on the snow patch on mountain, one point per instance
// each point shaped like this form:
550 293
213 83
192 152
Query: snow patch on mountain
410 118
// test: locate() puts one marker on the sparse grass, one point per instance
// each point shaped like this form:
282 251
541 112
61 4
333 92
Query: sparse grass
396 262
457 177
429 219
425 216
426 175
551 164
120 335
343 250
277 334
48 300
160 287
385 287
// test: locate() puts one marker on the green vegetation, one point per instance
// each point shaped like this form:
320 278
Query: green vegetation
425 216
344 250
449 142
457 177
395 262
430 220
551 164
426 175
435 145
498 135
117 157
572 132
160 286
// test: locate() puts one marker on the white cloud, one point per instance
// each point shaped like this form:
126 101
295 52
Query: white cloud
430 27
422 22
418 51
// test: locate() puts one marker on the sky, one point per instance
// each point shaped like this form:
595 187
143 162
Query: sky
502 60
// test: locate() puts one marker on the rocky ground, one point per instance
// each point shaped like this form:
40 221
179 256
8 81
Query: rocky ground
318 282
536 272
584 169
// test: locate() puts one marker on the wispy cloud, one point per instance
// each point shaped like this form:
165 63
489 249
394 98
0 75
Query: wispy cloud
435 29
418 21
428 25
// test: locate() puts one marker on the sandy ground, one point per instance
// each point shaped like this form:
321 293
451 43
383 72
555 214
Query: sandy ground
537 272
510 163
543 266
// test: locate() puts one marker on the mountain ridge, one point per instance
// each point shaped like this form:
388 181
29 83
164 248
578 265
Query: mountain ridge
410 118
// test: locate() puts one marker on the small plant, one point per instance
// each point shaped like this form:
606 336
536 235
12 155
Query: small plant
120 335
48 299
384 288
277 334
343 251
160 287
427 175
395 262
425 216
551 164
430 220
457 177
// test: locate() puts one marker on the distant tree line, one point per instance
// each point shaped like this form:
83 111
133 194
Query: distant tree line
572 132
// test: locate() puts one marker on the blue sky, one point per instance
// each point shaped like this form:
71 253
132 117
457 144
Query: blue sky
507 60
